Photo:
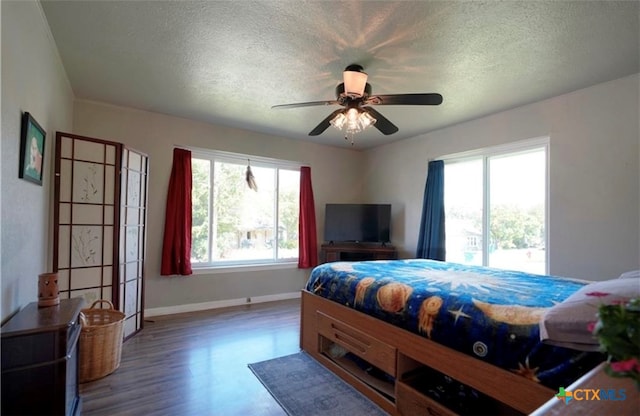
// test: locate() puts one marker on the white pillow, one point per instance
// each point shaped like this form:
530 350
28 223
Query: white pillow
566 324
630 274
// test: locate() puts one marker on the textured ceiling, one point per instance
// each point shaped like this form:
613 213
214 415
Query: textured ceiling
228 62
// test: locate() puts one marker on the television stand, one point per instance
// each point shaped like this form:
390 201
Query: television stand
356 252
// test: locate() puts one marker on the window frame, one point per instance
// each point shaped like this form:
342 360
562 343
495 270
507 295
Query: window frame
274 262
485 154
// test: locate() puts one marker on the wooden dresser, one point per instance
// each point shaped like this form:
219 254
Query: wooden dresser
40 360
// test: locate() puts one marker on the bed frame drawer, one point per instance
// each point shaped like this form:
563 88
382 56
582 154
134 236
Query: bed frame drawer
410 402
357 342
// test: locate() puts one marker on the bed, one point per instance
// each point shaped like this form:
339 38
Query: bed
400 330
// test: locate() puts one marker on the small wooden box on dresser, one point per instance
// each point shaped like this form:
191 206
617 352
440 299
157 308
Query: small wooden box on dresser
40 360
356 252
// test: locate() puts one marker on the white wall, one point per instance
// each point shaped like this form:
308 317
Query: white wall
336 176
594 211
33 80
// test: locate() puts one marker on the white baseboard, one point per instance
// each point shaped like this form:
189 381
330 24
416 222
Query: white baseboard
194 307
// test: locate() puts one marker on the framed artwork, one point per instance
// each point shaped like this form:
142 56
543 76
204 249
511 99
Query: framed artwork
32 141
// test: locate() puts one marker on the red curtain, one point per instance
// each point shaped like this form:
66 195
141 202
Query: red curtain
307 240
176 247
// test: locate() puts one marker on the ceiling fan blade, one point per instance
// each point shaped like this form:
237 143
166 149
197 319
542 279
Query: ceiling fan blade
324 124
382 123
308 104
406 99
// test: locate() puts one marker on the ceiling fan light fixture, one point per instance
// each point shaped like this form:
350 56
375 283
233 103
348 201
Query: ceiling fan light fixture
339 121
352 116
366 120
355 81
352 121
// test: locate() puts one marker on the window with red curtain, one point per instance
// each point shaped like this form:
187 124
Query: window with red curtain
176 248
308 243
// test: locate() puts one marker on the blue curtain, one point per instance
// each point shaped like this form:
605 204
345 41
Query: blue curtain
431 239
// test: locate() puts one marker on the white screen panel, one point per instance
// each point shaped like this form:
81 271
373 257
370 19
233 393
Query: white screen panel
135 161
88 186
131 298
110 156
121 304
141 242
108 246
64 244
132 244
86 246
89 295
65 213
129 326
87 214
85 278
63 279
133 217
133 189
131 271
107 275
109 185
66 148
90 151
108 215
65 180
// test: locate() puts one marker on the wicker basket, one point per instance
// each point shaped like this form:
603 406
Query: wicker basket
100 341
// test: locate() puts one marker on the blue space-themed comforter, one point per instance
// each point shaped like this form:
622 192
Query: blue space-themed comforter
488 313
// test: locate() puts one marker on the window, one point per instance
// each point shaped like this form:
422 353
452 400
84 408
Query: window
495 207
235 225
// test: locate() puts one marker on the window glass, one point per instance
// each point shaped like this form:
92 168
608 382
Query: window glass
463 211
233 224
517 211
495 210
200 210
288 208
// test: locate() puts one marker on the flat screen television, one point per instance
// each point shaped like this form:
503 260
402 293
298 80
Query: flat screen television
362 223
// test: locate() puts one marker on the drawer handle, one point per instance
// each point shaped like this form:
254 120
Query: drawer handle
350 340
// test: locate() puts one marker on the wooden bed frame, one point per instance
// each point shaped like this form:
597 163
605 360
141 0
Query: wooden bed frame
398 352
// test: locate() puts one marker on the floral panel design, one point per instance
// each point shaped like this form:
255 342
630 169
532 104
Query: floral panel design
88 180
86 246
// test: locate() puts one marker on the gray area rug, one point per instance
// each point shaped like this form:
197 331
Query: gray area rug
303 387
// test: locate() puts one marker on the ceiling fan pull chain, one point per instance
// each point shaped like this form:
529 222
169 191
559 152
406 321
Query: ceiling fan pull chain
349 136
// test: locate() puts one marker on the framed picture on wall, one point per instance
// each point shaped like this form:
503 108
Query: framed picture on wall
32 141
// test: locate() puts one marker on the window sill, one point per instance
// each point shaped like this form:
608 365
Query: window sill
244 268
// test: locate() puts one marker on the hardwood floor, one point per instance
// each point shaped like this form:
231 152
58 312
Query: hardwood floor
196 364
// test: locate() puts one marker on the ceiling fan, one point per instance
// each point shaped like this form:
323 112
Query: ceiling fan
354 94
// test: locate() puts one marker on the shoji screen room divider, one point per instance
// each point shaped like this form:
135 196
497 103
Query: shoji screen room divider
100 223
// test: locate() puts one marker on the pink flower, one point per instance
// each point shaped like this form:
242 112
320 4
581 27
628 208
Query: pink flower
597 294
627 365
591 326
